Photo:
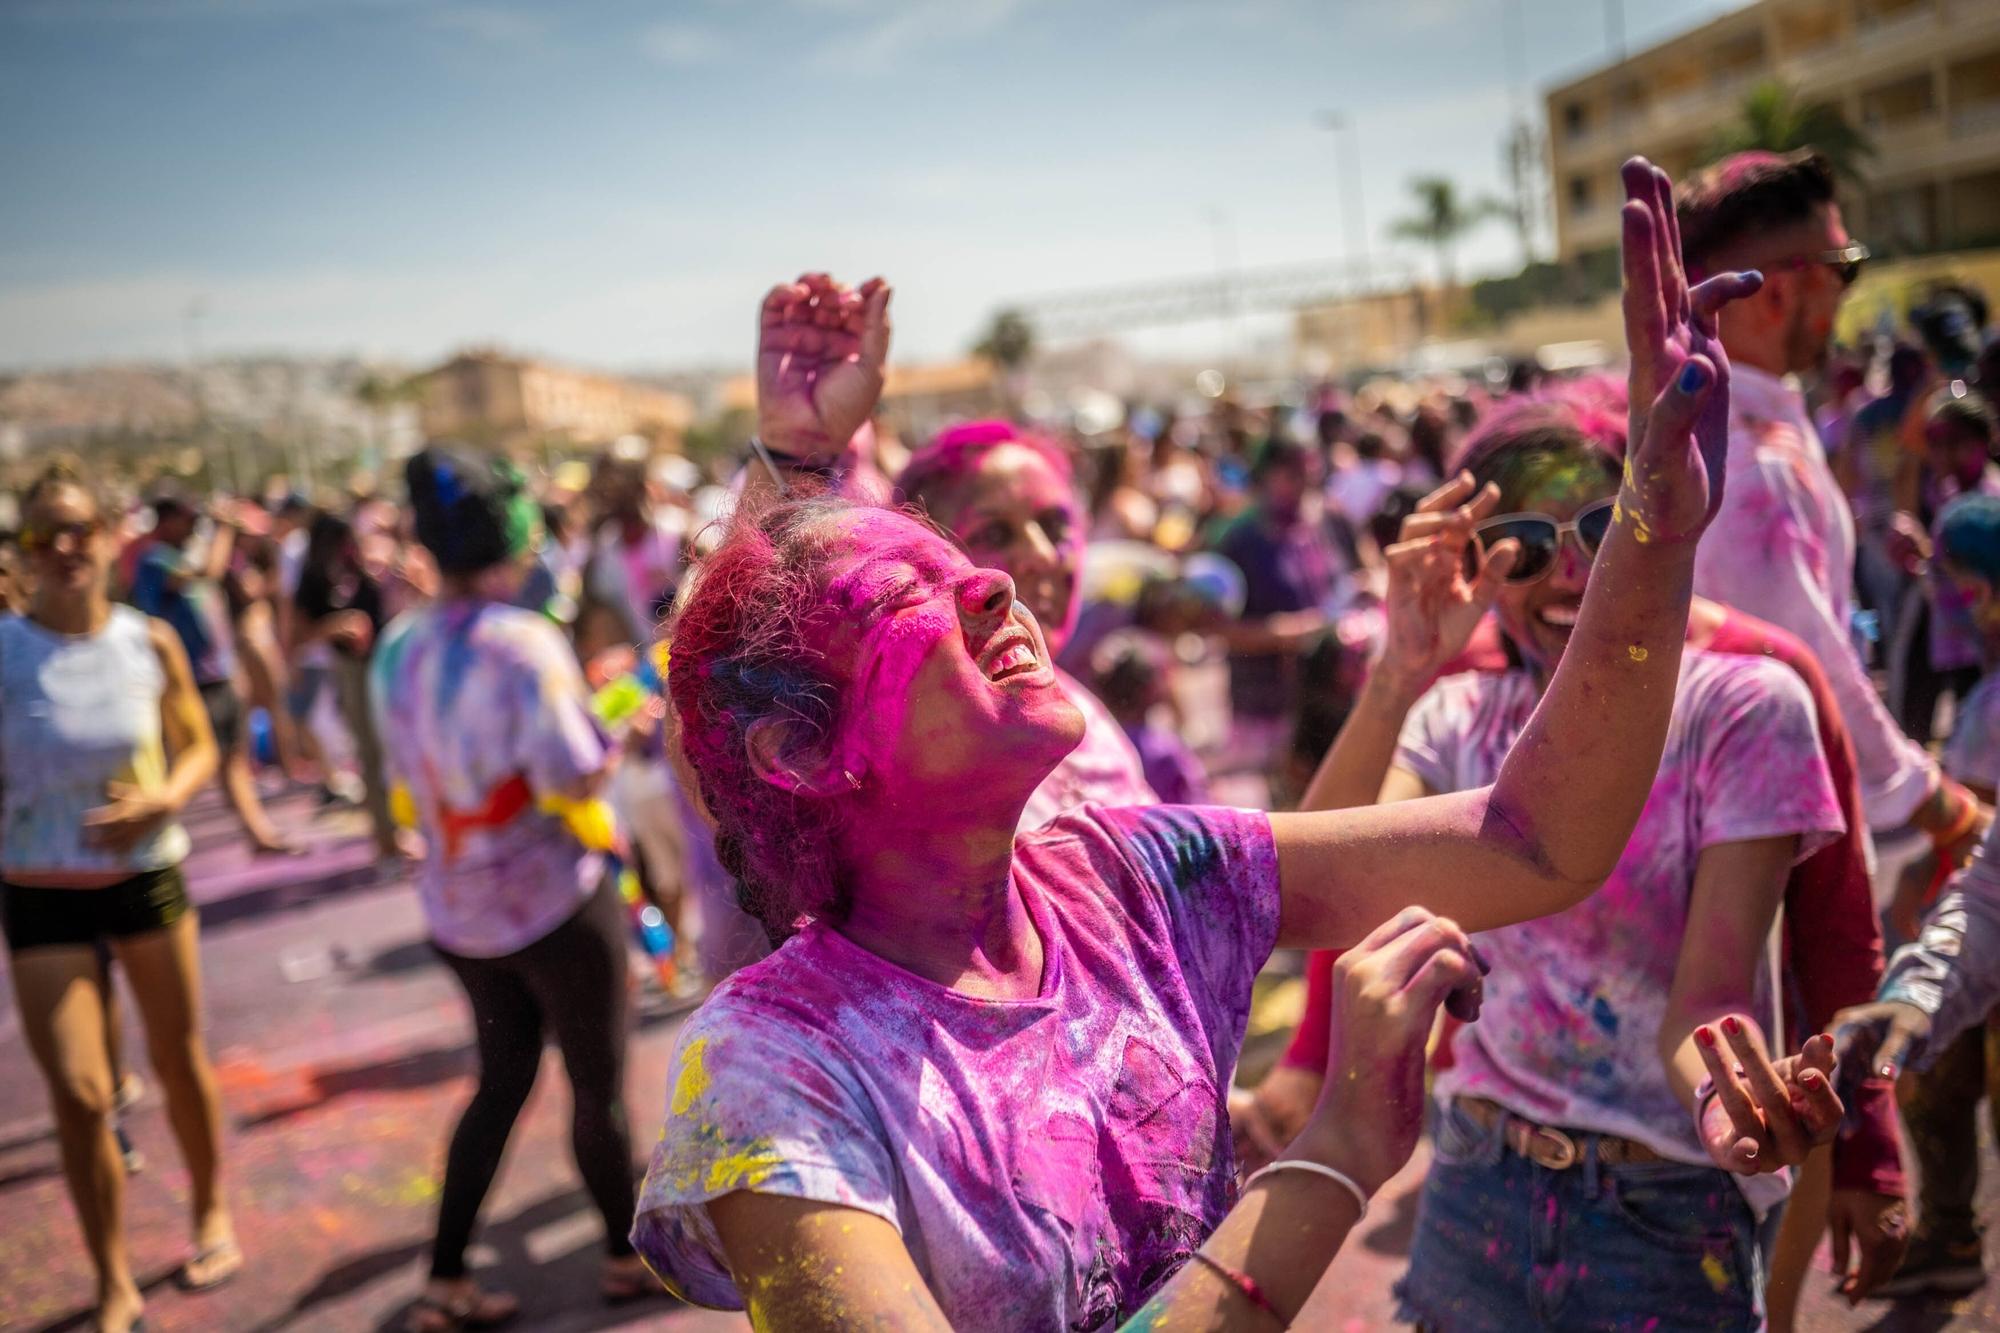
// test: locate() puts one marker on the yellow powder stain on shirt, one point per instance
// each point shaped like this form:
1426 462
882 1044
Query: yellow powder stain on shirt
1717 1275
693 1080
1636 653
746 1168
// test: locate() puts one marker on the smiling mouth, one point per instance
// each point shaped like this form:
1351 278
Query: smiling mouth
1014 655
1560 616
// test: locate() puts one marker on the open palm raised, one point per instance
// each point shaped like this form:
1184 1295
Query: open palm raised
820 354
1679 428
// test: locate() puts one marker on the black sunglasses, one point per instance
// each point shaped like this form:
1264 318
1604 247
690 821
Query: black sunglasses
1845 262
1541 538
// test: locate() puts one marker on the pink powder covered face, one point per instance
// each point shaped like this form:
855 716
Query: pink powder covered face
1539 617
948 679
1010 500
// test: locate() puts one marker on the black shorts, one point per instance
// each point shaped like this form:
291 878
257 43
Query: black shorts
37 918
225 713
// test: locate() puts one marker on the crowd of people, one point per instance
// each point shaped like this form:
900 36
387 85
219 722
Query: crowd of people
970 786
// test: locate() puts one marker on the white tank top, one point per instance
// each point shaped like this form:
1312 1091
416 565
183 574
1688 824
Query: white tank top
78 712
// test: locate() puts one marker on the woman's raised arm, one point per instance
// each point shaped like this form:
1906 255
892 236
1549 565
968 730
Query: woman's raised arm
1548 831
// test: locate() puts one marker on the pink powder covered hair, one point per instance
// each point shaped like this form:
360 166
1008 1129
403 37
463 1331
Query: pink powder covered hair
1592 406
955 451
743 651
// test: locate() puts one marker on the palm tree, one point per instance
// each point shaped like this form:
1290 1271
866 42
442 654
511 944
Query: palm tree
1775 119
1009 341
1441 221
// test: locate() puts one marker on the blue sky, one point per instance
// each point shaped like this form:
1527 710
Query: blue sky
617 183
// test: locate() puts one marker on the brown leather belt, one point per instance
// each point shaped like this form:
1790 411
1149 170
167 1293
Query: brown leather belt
1556 1149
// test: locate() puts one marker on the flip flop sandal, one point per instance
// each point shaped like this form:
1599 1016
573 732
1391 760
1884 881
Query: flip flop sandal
226 1255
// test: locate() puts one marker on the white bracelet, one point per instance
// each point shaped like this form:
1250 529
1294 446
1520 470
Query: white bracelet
1339 1178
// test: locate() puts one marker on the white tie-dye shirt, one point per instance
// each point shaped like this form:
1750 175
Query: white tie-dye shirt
469 697
1568 1032
1782 549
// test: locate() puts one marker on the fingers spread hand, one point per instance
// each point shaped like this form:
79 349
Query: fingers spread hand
1773 1099
1817 1107
1448 496
1501 557
1666 240
1709 297
1734 1099
1484 503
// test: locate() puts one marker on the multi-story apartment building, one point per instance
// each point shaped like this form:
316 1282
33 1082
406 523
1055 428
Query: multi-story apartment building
1921 77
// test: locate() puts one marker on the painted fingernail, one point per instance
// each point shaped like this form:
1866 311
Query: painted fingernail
1479 961
1810 1078
1693 376
1731 1026
1886 1071
1751 1152
1705 1035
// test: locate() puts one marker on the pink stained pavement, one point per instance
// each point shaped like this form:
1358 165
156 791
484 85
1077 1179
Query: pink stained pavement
342 1048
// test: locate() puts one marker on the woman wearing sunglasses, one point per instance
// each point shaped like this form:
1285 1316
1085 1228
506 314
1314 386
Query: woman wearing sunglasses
103 739
1583 1167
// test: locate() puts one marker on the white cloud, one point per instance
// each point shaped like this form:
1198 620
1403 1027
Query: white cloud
682 44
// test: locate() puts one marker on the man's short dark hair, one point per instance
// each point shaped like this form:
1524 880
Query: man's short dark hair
1275 453
169 503
1722 204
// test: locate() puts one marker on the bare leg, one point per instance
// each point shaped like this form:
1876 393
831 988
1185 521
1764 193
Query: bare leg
239 784
164 969
59 992
350 683
1799 1231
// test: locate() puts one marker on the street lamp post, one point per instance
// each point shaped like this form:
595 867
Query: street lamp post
1350 189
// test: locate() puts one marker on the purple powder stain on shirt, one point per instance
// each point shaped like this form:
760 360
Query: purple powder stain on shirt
1050 1161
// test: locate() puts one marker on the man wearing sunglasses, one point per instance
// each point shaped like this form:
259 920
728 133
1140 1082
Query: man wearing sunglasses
1782 548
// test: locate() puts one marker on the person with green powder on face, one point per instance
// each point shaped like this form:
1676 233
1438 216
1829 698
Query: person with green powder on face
486 721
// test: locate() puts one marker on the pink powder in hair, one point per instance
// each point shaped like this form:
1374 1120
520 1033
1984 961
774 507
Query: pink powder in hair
1728 172
956 450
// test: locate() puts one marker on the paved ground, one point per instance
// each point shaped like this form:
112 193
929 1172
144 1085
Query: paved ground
344 1054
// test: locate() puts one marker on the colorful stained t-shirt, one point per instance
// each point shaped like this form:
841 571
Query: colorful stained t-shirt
483 711
1050 1161
1103 769
1782 549
1567 1035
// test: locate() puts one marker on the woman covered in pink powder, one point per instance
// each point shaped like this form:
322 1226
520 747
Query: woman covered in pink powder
1008 497
980 1084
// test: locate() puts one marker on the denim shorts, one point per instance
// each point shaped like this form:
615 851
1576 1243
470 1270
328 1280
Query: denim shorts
1504 1244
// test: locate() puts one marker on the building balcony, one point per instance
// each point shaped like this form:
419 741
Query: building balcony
1899 25
1701 107
1602 137
1974 120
